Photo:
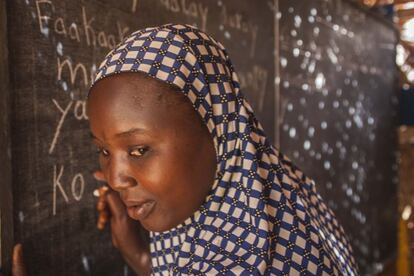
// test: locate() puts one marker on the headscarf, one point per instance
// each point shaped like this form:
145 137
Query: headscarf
262 215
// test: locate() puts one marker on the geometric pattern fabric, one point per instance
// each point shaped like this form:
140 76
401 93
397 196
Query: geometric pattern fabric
263 216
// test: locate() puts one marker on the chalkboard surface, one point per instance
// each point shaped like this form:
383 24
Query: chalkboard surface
322 86
338 116
55 47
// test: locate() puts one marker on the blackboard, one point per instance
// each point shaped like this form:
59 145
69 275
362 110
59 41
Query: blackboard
338 116
6 210
54 48
322 86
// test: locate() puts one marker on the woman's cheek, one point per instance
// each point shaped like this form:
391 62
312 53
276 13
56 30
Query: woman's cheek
102 163
156 175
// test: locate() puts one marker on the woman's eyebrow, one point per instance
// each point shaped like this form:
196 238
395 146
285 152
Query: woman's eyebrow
127 133
130 132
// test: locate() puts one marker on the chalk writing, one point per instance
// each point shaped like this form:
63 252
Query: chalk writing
192 9
42 19
56 183
237 21
77 186
86 31
134 5
79 112
59 126
73 71
73 76
255 81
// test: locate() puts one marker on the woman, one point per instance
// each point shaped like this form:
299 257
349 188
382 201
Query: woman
214 194
234 206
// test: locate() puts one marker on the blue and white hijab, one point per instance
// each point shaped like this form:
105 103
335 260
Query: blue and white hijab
263 215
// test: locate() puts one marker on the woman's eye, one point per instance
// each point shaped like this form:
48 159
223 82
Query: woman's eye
138 152
103 151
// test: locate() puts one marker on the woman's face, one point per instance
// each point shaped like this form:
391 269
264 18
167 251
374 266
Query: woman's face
154 148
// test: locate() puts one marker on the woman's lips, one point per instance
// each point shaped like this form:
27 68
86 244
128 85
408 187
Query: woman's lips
141 211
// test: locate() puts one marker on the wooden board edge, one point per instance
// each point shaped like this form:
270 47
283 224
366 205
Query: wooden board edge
6 200
277 99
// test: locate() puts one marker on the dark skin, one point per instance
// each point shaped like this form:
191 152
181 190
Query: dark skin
18 266
153 148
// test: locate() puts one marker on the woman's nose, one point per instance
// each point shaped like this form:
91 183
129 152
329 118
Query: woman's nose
118 175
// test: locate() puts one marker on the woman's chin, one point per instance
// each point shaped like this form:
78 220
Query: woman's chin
156 225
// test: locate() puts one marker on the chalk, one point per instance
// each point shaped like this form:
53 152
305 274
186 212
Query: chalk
100 191
21 216
85 263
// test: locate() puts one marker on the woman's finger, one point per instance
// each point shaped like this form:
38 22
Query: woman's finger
114 242
18 266
102 220
115 204
99 175
101 206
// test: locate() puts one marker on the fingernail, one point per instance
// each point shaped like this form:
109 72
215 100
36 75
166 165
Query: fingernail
17 252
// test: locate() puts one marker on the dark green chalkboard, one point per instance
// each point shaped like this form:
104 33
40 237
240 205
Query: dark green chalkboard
55 47
6 198
320 76
338 116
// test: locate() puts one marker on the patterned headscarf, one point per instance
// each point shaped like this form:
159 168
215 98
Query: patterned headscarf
262 215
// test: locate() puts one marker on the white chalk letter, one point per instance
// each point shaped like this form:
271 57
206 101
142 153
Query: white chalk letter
59 126
56 183
43 19
78 179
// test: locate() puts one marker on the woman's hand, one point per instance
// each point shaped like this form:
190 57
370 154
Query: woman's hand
18 266
128 236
